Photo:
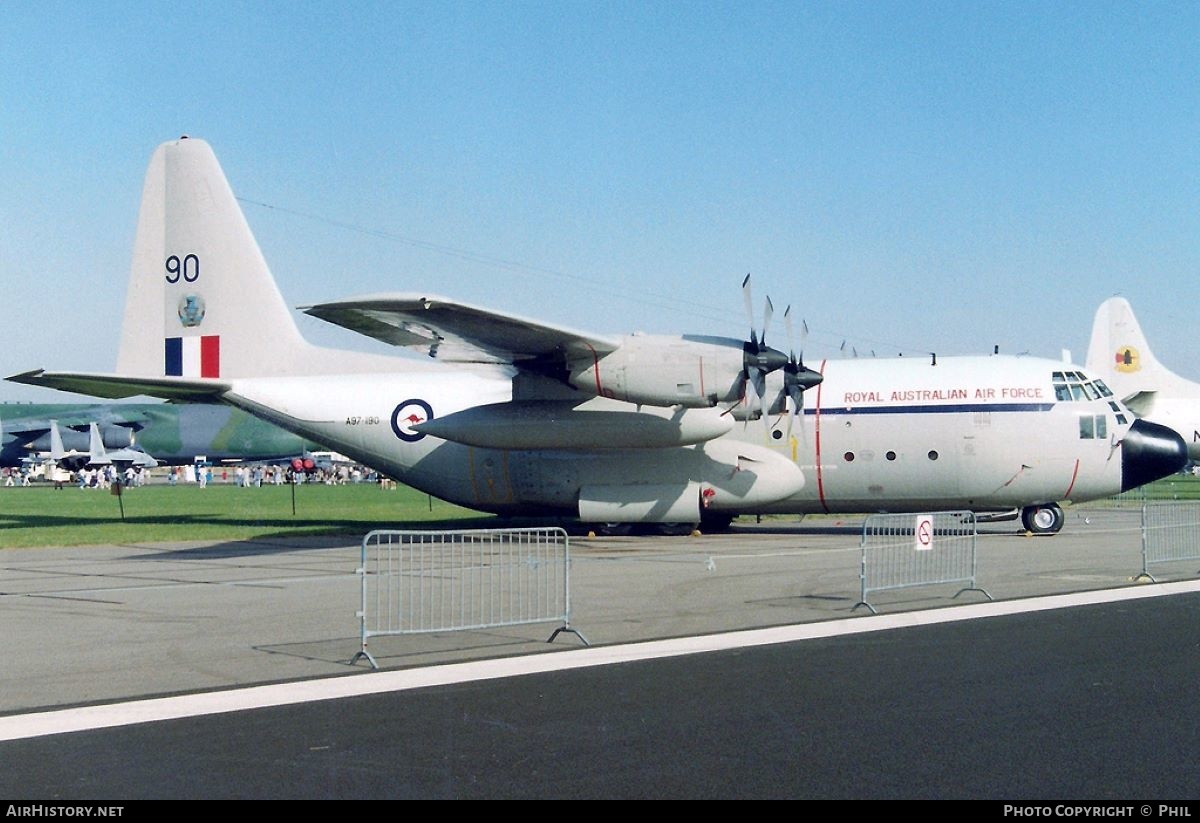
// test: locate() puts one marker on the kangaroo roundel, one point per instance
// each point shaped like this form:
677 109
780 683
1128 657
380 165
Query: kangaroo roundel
408 414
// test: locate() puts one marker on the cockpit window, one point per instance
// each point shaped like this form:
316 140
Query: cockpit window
1074 385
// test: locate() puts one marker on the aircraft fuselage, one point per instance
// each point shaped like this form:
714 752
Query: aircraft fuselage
985 434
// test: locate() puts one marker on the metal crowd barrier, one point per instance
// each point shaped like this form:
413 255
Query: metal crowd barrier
431 581
905 550
1170 532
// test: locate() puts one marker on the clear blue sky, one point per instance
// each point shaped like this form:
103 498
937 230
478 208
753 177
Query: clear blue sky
909 176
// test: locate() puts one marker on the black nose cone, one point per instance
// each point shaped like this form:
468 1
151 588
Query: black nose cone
1150 451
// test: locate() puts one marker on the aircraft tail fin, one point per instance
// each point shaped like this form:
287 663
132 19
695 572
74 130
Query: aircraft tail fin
97 455
57 452
201 301
1119 353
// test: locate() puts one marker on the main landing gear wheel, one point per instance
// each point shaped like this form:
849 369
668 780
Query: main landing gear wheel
712 522
675 529
1045 519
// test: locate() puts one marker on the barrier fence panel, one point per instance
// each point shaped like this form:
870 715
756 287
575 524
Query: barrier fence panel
905 550
1170 532
431 581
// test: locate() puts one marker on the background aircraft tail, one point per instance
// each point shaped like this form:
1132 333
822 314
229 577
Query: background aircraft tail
97 454
201 301
57 450
1118 353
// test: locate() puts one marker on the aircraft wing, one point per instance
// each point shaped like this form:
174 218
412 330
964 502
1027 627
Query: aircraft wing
26 429
457 332
113 385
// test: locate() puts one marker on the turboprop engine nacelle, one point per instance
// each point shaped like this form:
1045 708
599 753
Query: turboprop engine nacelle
695 372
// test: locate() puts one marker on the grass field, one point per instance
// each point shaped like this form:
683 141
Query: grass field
41 516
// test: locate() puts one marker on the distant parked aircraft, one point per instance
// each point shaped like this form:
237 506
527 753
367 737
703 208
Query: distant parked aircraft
1119 353
166 433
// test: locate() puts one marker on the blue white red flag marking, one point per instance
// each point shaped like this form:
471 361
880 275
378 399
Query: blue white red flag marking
193 356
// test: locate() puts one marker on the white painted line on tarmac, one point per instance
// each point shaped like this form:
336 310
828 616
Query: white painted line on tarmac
87 718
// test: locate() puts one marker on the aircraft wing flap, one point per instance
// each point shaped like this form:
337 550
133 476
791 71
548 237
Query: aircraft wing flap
453 331
115 386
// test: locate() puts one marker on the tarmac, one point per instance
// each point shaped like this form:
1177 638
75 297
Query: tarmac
106 623
739 665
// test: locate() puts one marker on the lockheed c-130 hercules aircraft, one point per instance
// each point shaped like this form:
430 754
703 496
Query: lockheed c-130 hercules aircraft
514 416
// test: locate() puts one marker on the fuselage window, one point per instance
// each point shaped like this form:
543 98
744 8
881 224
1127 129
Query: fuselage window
848 457
1087 431
933 455
1092 427
891 455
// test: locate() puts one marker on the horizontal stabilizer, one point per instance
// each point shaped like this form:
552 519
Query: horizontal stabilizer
1141 403
114 386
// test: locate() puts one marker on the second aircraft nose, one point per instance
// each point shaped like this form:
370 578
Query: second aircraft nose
1150 451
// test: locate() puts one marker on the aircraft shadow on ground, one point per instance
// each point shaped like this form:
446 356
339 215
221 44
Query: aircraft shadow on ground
287 533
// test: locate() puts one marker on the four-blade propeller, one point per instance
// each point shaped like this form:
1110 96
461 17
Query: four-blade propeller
759 360
796 376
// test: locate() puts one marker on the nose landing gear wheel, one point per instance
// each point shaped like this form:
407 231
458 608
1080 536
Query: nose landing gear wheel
1046 519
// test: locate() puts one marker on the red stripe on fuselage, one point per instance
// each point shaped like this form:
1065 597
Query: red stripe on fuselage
1074 477
596 369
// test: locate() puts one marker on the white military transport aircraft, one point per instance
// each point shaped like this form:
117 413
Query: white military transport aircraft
1119 352
515 416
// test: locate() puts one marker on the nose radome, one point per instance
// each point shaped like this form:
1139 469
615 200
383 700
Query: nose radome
1150 451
